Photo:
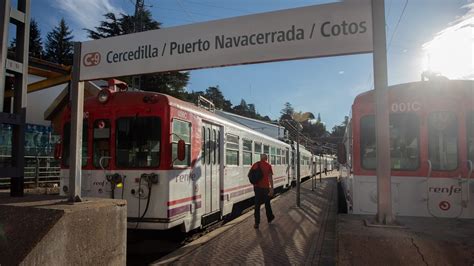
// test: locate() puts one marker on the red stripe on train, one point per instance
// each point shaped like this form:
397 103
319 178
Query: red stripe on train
178 201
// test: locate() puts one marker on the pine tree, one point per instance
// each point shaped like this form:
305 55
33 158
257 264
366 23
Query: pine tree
59 46
287 112
173 82
35 44
215 95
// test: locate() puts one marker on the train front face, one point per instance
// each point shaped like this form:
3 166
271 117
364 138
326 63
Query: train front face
125 135
431 149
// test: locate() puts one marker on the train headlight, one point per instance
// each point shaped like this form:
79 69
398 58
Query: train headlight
103 96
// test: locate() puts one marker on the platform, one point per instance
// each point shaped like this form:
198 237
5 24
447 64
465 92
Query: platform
297 236
423 241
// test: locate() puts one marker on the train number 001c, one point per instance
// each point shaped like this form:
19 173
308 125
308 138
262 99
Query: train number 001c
405 107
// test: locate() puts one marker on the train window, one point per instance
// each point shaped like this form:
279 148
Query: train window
247 152
272 155
138 142
209 146
257 151
214 142
203 145
443 141
278 158
101 143
181 130
218 147
470 136
85 146
367 142
266 149
232 150
404 141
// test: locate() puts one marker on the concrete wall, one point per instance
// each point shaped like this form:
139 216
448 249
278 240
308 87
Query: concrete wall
90 233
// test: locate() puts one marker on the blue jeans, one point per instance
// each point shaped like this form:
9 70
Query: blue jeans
261 196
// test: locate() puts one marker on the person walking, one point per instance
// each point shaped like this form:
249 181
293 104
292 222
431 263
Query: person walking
263 189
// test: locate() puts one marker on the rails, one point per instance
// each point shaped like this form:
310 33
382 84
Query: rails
39 171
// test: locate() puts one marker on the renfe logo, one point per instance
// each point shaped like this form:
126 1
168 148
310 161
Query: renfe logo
445 190
91 59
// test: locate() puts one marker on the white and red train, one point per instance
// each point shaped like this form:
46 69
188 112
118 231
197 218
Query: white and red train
176 164
431 148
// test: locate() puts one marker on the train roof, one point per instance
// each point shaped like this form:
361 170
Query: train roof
456 87
133 98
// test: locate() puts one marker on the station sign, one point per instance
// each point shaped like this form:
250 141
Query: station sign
316 31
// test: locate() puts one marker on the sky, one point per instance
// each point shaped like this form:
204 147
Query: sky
434 35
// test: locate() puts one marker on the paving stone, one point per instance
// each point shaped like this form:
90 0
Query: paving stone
295 237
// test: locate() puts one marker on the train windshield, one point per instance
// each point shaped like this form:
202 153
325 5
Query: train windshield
470 136
443 141
138 142
404 142
66 143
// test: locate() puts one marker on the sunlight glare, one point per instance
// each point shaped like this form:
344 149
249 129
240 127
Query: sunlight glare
451 52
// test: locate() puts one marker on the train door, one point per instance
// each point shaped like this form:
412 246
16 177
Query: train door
445 192
288 165
211 172
96 179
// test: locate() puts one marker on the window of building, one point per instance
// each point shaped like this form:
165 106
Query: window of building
181 130
404 142
232 150
470 136
247 152
66 142
138 142
101 143
443 141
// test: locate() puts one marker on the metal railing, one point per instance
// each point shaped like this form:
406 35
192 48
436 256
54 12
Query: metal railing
40 171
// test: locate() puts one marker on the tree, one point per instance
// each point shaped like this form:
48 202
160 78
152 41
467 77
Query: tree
241 109
36 45
338 131
302 117
59 47
215 95
287 111
173 82
35 48
252 110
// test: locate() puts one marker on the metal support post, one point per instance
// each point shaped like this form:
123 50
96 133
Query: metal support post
298 174
384 192
77 106
18 66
